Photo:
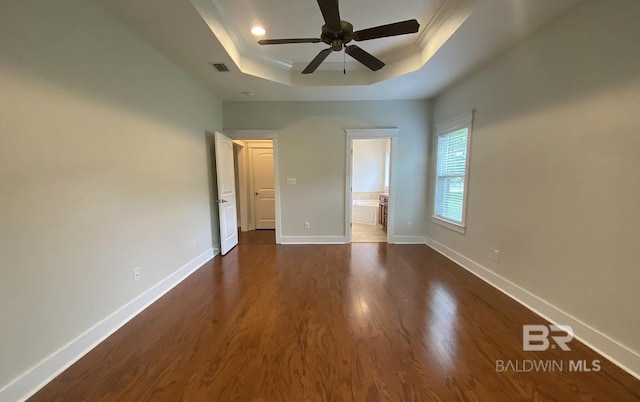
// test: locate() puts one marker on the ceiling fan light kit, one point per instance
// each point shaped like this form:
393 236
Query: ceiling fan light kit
338 33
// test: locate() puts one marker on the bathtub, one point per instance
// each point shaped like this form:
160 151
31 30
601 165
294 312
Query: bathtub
365 211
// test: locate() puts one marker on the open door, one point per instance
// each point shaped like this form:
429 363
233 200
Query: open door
226 174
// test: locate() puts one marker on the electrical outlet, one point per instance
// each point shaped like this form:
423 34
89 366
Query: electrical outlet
307 225
410 225
193 244
136 274
496 255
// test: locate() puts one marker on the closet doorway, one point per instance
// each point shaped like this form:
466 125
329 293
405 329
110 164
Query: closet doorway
255 190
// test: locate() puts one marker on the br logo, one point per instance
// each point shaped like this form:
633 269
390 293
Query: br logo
536 337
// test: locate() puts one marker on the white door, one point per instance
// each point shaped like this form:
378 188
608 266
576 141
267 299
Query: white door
226 174
265 195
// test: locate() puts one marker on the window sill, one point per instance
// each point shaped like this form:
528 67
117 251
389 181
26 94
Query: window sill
449 225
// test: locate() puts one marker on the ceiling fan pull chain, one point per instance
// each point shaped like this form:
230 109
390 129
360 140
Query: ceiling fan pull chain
344 62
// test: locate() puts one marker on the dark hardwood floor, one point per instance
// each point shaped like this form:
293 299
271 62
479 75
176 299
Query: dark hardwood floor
361 322
262 236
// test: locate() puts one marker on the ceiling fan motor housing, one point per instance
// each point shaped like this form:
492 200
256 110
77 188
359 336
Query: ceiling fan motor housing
337 40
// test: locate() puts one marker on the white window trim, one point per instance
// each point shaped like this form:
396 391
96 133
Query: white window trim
464 120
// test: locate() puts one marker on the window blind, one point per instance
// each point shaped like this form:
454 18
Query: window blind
450 175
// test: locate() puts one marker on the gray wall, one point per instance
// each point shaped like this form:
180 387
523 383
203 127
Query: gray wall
312 149
554 177
103 167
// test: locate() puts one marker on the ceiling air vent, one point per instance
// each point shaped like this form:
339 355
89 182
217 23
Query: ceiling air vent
221 67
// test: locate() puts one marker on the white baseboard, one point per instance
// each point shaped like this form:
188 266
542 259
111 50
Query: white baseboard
343 240
42 373
407 240
617 353
313 240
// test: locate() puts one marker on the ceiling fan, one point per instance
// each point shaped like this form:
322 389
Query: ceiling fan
337 34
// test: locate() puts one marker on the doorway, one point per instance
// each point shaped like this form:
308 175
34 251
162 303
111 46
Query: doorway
370 163
256 190
369 201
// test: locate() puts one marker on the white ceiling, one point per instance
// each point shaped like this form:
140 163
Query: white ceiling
177 29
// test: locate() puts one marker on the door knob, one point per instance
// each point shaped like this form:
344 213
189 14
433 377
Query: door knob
222 201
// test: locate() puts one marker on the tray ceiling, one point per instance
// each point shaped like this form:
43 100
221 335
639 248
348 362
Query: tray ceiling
450 47
231 22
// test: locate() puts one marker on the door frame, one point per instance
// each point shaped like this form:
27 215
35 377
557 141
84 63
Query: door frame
390 133
243 186
246 183
249 135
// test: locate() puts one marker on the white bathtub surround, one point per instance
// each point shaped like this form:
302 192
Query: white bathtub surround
366 203
365 211
359 195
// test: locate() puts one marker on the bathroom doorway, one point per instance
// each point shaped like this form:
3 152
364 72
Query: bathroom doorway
369 189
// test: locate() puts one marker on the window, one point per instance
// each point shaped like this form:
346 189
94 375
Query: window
451 171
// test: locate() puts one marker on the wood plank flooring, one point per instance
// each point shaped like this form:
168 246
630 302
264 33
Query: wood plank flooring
361 322
262 236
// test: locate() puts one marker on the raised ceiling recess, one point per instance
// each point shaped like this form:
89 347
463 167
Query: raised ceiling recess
425 25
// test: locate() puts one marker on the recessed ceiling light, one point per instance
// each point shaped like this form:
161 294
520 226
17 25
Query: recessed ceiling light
258 30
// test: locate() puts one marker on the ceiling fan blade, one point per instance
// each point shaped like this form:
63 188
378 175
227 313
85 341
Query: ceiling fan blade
286 41
317 61
363 57
383 31
331 14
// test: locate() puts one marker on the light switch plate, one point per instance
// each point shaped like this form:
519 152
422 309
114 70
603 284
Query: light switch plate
291 181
